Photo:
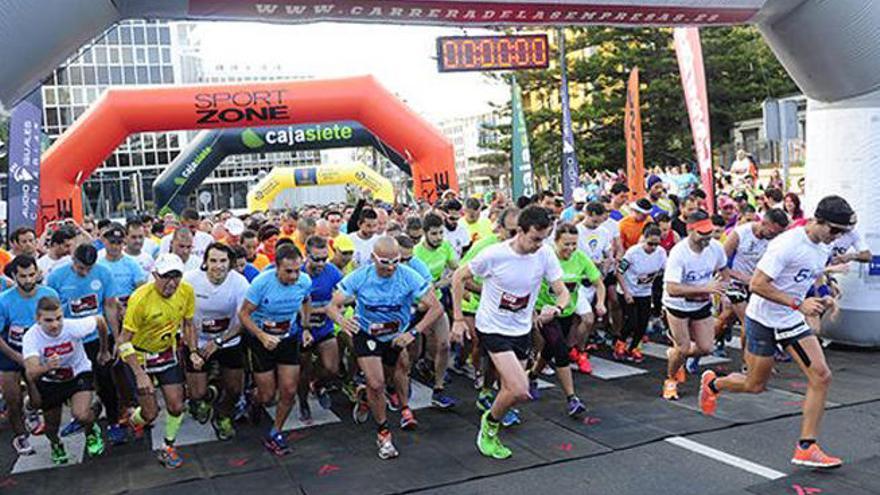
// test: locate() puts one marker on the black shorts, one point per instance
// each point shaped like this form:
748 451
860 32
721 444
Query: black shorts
55 394
493 343
366 346
263 360
610 280
231 358
738 292
696 315
173 375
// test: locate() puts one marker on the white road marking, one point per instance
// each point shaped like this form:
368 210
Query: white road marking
609 370
659 351
730 460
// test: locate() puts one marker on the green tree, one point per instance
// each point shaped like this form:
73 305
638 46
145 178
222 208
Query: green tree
741 71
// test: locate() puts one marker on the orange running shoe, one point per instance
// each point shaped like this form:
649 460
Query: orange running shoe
680 376
636 355
670 389
573 354
814 457
708 398
584 365
619 353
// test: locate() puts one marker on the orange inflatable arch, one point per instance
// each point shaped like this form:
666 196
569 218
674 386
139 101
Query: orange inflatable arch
120 112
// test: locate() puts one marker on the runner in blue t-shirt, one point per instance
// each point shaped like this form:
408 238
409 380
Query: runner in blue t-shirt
18 312
269 314
325 276
384 293
87 288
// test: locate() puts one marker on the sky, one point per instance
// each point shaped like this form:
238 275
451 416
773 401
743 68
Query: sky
402 58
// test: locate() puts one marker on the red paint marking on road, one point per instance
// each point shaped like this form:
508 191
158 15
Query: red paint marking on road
7 483
238 462
805 490
591 420
798 385
793 403
328 469
295 435
565 447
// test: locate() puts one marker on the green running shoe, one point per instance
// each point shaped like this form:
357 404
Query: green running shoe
223 427
488 442
59 455
94 442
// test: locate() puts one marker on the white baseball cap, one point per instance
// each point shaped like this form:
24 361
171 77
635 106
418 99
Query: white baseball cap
579 195
167 263
234 226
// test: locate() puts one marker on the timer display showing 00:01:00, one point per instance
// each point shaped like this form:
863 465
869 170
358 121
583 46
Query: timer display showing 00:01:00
492 53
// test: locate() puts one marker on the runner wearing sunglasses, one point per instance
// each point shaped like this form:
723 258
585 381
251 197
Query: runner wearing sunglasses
384 293
696 269
776 315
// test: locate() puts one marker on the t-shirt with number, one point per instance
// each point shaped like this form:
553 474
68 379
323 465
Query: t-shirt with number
323 286
127 276
576 270
382 304
216 305
83 296
639 269
471 301
688 267
67 345
363 249
749 250
794 262
510 286
277 304
18 313
154 320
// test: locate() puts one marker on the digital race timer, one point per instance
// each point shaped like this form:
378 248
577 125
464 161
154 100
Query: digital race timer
466 53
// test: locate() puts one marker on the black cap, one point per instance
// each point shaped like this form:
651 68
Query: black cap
87 254
115 233
834 209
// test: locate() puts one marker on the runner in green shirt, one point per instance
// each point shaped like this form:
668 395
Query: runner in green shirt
577 268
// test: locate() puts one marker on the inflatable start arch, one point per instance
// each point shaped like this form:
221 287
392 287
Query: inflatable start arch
280 178
204 153
120 112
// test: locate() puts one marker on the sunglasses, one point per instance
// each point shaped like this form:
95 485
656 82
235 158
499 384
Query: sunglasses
387 261
316 259
171 275
512 232
405 259
653 244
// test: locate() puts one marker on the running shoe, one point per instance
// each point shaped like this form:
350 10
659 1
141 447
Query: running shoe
59 454
392 399
708 398
576 407
70 428
276 443
117 434
459 365
636 355
479 379
386 446
201 411
488 442
573 354
94 442
137 431
241 407
442 400
692 365
169 457
814 457
408 419
548 370
305 410
223 428
22 445
511 418
670 389
361 411
324 398
619 353
720 350
349 389
534 391
583 363
485 399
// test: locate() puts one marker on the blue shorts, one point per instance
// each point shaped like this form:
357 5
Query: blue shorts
761 340
322 334
7 364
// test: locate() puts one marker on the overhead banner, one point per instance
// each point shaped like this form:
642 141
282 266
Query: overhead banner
483 13
210 147
693 80
632 128
521 161
570 170
262 195
25 126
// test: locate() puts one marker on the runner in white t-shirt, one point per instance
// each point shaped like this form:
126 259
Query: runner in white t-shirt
220 292
689 282
365 237
455 232
512 273
775 316
56 362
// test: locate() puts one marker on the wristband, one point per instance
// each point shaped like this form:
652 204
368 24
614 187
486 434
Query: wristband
795 304
126 349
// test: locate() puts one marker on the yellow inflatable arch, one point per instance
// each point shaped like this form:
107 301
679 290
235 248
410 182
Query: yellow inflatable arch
281 178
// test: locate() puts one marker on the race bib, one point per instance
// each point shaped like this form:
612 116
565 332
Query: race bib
646 279
276 327
15 335
84 305
510 302
384 328
215 326
156 362
62 374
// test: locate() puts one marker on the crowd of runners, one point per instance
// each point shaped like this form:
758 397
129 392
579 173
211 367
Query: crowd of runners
226 316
